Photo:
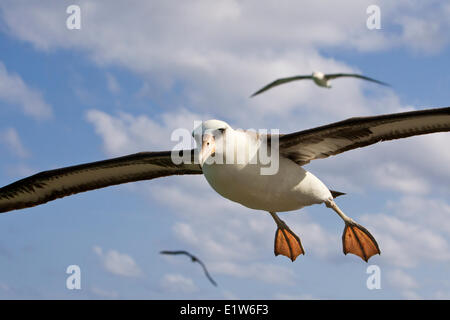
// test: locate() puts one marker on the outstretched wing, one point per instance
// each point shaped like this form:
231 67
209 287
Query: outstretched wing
206 272
176 252
194 259
335 138
279 82
50 185
338 75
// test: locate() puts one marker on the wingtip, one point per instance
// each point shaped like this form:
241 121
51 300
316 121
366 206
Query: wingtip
380 82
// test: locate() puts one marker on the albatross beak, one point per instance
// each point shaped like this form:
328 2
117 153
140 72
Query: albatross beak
208 148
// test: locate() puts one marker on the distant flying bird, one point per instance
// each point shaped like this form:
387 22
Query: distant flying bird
193 259
241 180
322 80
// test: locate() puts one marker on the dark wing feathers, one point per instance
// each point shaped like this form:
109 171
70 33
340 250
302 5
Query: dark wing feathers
352 75
335 138
58 183
301 147
194 259
207 273
279 82
176 252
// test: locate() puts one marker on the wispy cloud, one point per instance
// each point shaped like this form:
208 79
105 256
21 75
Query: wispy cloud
10 138
400 177
126 133
177 283
300 296
406 243
112 84
225 69
105 294
15 91
403 282
117 263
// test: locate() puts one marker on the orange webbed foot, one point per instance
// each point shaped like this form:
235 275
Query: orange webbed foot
287 243
358 240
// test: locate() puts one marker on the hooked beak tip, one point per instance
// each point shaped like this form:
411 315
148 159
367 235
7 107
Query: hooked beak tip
208 148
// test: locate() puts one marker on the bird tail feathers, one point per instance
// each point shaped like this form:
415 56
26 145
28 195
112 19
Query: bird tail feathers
336 194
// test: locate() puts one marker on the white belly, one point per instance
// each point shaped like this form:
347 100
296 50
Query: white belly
290 189
321 82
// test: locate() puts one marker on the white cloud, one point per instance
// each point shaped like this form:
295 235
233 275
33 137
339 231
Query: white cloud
228 295
228 50
429 212
112 83
126 133
309 23
223 53
264 272
406 243
400 177
300 296
11 139
118 263
401 280
425 33
15 91
102 293
317 241
411 295
414 166
177 283
19 170
442 295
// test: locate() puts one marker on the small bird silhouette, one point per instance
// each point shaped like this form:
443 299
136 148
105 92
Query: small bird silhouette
319 78
194 259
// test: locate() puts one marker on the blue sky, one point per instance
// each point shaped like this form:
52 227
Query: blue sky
133 74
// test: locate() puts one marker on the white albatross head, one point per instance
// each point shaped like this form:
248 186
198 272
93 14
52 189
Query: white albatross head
210 131
318 75
320 79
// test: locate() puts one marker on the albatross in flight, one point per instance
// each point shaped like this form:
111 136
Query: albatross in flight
193 259
319 78
291 187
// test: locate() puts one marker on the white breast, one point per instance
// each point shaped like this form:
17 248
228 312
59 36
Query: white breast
290 188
